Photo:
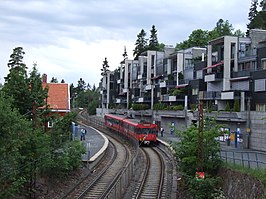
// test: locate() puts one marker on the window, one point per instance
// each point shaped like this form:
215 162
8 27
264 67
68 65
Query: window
50 124
195 91
188 63
263 63
261 107
260 85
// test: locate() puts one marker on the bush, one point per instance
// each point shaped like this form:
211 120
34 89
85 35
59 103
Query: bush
236 106
159 106
178 107
207 188
137 107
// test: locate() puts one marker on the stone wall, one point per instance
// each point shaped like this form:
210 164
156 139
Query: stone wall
239 185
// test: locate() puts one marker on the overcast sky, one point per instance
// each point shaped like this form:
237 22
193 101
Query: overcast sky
69 39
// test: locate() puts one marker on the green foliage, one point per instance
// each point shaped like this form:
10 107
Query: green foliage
141 43
153 41
140 107
84 96
159 106
16 83
193 107
187 153
236 106
179 107
61 161
201 37
54 80
187 148
13 132
180 76
257 173
257 19
207 188
178 91
227 106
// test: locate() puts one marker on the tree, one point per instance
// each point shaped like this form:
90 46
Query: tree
141 43
93 100
63 81
12 127
257 19
239 33
54 80
187 154
16 83
153 41
201 37
81 86
187 148
222 28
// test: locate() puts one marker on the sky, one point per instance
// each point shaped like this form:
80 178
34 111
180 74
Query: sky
69 39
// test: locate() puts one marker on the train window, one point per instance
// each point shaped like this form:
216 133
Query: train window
131 128
144 131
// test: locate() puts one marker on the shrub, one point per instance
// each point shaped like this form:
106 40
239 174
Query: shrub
236 106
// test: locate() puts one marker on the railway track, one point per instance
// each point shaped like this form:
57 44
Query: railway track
101 184
151 182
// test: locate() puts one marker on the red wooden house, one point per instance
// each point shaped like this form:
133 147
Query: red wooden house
58 97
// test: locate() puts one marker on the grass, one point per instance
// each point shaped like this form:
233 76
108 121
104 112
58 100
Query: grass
260 174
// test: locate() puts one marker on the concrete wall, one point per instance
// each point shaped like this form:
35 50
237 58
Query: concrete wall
232 120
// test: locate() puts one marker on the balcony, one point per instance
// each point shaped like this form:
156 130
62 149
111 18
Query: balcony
169 83
163 84
212 95
148 87
213 77
232 95
243 73
142 99
120 101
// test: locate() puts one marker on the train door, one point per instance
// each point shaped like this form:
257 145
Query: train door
158 123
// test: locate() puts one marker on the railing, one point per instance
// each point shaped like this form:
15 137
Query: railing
121 184
249 159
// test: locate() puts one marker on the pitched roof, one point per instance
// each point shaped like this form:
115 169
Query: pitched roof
58 96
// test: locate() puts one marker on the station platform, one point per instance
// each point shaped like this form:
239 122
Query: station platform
94 141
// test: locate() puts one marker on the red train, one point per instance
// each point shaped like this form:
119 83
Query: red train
144 132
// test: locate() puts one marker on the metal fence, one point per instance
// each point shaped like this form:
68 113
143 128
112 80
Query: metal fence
120 184
249 159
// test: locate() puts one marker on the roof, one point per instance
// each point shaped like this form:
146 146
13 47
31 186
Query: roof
58 96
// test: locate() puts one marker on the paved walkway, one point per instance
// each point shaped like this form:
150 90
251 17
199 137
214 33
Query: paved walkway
95 142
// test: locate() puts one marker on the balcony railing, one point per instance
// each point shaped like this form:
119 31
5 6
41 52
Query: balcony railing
213 77
243 73
212 95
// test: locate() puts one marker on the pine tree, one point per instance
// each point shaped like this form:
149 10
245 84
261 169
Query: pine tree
141 43
16 83
153 41
54 80
252 14
257 18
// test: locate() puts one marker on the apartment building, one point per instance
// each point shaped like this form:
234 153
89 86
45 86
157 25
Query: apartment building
230 70
234 73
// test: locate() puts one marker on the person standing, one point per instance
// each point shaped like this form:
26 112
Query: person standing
162 130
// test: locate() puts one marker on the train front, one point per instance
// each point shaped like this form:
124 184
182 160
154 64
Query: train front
147 134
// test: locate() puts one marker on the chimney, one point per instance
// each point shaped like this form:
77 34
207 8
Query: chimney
44 78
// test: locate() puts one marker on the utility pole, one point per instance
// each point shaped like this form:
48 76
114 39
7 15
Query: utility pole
200 136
